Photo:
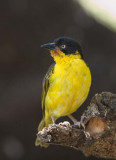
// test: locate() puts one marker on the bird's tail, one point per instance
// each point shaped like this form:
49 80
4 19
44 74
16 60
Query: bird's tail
44 123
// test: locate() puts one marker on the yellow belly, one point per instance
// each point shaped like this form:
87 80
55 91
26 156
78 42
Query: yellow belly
69 87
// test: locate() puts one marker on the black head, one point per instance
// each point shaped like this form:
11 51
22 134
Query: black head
66 45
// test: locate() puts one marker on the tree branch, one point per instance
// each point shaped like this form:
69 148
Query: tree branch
98 138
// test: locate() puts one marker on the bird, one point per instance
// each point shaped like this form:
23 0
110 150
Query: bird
66 84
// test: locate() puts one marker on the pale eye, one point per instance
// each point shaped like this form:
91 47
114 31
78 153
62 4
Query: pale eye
63 46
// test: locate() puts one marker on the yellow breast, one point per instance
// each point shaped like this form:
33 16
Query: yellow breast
69 86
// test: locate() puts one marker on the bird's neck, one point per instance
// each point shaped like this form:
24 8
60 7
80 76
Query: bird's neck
65 58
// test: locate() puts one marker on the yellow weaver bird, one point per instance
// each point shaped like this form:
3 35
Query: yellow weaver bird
66 84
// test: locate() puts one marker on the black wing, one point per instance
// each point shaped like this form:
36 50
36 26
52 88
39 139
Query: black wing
46 86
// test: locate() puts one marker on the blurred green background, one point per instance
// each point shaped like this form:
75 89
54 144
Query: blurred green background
24 26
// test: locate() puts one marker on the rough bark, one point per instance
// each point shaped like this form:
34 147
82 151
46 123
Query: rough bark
97 137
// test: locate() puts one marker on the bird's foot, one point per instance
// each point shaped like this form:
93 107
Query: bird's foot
82 121
76 123
53 119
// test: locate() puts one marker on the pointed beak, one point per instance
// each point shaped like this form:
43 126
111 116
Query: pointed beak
50 46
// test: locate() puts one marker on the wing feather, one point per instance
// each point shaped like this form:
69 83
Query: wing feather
46 85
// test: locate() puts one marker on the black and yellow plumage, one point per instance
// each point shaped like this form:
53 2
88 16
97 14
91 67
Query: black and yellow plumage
67 82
